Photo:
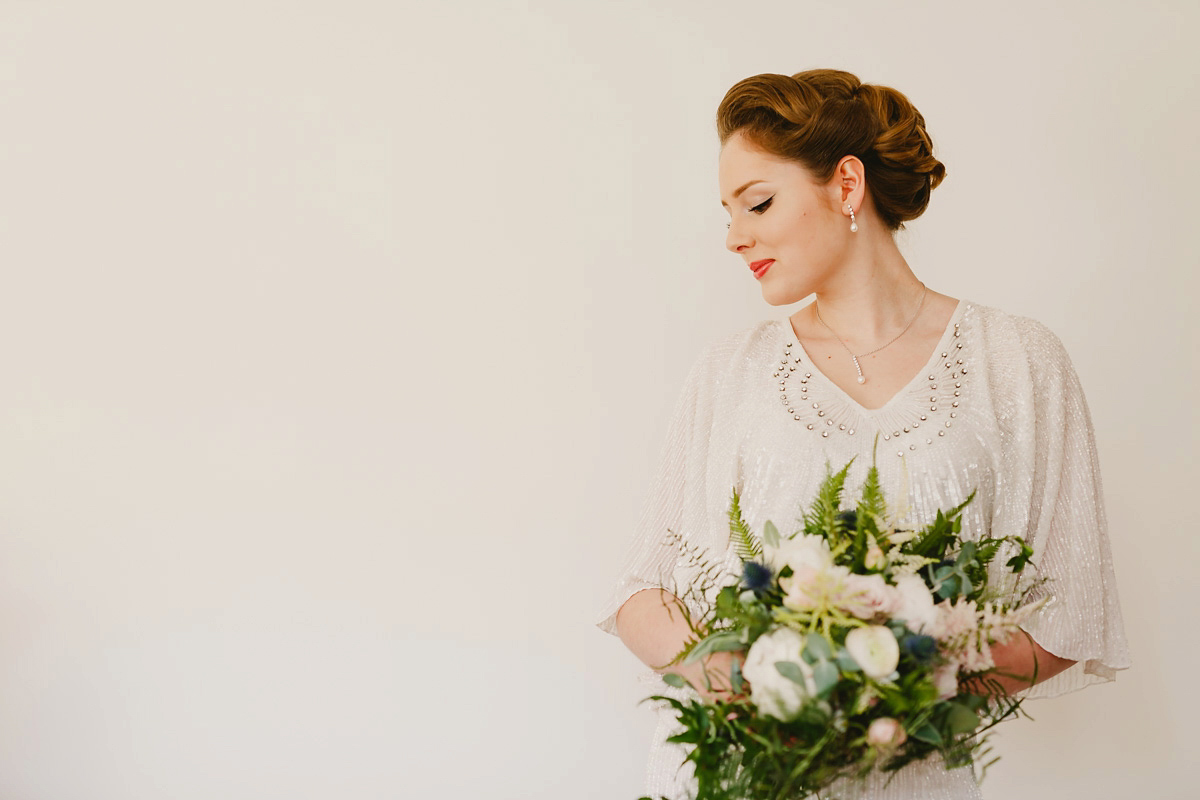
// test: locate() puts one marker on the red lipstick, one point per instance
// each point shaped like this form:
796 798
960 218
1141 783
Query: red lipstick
760 267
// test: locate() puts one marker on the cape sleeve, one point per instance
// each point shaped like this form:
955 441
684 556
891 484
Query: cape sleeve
1066 523
655 556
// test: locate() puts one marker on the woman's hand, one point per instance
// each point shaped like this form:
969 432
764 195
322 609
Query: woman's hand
719 667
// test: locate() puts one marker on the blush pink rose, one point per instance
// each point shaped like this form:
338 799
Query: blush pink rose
886 733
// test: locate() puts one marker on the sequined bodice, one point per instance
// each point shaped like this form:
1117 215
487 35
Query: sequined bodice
916 416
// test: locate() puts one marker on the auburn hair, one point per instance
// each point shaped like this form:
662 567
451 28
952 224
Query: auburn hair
819 116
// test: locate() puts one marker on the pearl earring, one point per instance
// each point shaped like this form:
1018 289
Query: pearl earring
853 224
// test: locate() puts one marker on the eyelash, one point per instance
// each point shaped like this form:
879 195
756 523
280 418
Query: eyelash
760 208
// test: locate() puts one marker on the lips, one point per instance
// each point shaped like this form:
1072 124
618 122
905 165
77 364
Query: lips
760 267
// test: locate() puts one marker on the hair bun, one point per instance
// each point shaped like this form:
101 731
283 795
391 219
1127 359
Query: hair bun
819 116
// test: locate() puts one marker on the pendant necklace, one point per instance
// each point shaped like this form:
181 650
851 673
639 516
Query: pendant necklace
861 377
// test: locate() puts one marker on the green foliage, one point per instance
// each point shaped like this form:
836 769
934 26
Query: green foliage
770 534
748 547
939 535
1017 563
823 517
739 754
721 641
872 504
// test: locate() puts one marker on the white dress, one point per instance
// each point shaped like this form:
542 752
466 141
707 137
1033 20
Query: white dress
998 408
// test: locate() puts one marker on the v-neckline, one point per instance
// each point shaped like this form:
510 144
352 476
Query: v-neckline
934 357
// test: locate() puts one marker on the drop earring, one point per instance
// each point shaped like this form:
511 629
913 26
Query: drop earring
853 224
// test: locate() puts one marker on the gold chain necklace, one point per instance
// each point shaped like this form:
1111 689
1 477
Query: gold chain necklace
862 378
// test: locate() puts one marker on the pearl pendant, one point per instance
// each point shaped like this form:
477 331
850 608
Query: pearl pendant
861 379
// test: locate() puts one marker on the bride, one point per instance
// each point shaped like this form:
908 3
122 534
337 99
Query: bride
817 172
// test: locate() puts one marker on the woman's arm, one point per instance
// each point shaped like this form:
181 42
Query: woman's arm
1016 660
653 628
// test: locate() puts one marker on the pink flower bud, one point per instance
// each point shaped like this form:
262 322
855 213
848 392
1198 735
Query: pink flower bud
886 733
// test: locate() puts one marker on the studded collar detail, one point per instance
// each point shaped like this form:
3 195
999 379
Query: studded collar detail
919 415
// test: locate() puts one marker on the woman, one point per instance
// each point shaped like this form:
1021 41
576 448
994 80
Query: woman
817 171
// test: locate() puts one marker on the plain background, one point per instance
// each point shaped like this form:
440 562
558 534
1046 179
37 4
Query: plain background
339 341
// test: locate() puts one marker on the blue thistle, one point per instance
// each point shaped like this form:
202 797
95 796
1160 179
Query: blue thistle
919 648
757 576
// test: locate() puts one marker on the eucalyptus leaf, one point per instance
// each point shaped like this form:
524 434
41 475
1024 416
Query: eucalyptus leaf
674 679
717 642
949 588
825 675
792 672
846 663
818 646
770 534
961 719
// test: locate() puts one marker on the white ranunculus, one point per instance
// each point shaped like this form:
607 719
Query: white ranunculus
916 606
775 695
875 649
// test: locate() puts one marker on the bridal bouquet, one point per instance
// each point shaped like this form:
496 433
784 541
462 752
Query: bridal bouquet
865 646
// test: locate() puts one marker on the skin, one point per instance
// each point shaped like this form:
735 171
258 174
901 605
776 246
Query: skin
864 288
867 294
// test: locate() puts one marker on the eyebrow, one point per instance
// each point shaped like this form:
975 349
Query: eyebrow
741 189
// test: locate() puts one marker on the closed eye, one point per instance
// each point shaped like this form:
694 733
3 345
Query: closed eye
761 207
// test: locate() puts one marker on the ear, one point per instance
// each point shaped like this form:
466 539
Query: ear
849 180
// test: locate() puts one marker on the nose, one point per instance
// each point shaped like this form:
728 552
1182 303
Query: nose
737 238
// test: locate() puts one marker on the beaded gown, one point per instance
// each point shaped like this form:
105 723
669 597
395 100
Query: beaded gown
998 408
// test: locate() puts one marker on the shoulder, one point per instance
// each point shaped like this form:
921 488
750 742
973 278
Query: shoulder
1025 359
745 348
1007 335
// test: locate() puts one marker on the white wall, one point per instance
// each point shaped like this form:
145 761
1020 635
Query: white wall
338 342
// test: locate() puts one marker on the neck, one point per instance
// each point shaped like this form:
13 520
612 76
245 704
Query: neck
872 298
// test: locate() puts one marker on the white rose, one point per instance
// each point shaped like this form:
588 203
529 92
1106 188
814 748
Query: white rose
775 695
814 575
799 552
866 596
886 733
810 588
875 649
916 606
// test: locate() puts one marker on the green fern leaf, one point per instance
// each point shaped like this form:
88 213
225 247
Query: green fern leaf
744 541
823 517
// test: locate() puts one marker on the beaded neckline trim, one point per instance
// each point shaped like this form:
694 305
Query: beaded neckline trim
920 414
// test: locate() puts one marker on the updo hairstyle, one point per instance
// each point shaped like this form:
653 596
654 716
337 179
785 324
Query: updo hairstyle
819 116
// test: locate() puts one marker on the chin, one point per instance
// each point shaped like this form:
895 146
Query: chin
782 297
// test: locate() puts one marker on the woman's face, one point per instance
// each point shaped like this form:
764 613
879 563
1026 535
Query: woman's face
778 213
